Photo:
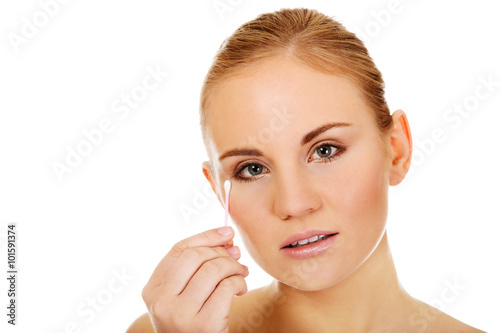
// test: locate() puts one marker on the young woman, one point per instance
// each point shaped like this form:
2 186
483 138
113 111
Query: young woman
293 114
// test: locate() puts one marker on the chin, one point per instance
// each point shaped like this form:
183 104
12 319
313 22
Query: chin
312 277
312 274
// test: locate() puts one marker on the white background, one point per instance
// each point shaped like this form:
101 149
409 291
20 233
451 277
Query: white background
119 209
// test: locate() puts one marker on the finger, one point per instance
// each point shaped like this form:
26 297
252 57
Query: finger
182 271
206 279
219 303
213 237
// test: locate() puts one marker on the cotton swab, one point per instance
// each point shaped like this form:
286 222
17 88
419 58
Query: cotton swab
227 189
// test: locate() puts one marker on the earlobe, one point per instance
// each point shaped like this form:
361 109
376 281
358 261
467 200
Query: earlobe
402 146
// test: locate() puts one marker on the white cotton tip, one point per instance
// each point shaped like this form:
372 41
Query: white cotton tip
227 187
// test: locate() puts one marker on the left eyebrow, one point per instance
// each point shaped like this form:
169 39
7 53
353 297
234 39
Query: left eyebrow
317 131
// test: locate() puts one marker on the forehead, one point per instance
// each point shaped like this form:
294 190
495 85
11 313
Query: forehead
281 94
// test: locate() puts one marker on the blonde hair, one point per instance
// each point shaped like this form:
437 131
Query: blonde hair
305 35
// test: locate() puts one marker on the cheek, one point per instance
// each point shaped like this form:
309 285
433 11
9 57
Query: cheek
359 197
248 201
249 208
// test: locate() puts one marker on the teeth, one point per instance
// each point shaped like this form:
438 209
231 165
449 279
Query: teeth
307 241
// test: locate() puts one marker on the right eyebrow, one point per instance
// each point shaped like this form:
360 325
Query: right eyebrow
314 133
241 152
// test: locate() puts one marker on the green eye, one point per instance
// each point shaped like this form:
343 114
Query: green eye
254 169
250 172
324 151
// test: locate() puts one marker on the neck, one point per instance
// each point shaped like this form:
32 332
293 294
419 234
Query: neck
369 298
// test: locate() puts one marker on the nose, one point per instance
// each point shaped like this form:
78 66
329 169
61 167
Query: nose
295 195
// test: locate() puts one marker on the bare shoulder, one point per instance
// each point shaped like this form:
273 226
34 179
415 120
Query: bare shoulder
241 306
438 321
448 323
141 325
253 311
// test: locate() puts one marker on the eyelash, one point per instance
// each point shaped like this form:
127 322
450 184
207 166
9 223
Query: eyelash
339 150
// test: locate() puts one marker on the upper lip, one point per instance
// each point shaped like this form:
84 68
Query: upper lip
304 235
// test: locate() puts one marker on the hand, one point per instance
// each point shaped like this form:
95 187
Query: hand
193 286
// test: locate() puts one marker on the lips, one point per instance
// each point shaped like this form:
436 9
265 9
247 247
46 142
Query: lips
307 237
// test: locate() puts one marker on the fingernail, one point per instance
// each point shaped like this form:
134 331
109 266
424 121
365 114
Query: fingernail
224 231
233 250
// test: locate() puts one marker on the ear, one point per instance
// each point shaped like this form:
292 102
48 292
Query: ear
402 147
207 171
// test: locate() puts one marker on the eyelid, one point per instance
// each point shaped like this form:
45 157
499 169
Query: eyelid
240 166
333 143
238 169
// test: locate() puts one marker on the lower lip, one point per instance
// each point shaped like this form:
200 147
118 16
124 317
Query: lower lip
309 250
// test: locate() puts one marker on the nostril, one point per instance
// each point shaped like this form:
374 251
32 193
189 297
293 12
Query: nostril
286 217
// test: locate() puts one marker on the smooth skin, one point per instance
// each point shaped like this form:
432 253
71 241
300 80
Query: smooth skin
294 175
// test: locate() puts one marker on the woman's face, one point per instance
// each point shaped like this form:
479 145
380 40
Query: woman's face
304 155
